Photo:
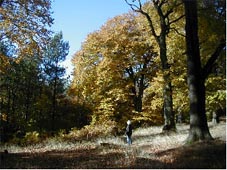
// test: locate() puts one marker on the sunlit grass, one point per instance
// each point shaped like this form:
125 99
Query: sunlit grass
149 145
151 136
49 145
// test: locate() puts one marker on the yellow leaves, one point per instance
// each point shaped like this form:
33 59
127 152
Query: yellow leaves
215 83
153 95
23 22
4 63
30 49
100 66
216 100
216 93
3 117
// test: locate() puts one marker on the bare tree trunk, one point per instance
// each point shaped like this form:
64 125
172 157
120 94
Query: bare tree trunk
168 103
198 122
53 124
164 25
167 88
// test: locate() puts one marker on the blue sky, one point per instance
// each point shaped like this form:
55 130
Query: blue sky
77 18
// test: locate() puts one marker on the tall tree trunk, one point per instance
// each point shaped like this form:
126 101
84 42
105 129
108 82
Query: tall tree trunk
167 88
54 105
8 111
28 100
137 89
137 98
168 103
198 122
53 109
137 103
161 40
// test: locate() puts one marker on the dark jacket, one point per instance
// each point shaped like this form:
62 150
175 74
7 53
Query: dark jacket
129 130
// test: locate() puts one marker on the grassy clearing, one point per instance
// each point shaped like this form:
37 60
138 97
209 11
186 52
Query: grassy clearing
150 149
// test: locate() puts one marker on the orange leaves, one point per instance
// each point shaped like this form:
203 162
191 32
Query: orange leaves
100 74
4 63
3 116
25 21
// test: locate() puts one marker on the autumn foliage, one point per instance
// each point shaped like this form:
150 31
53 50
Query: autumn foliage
118 72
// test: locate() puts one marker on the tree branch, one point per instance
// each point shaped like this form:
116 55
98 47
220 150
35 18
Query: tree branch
140 10
172 28
182 16
210 63
133 6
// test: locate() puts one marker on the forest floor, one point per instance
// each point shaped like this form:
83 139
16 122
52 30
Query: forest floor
150 149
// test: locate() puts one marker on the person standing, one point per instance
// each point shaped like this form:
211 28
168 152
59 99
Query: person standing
129 132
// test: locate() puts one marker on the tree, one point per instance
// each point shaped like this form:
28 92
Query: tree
131 54
197 75
54 53
119 62
25 22
163 10
19 91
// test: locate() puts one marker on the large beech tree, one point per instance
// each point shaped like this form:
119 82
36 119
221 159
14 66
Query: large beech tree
197 74
162 9
119 62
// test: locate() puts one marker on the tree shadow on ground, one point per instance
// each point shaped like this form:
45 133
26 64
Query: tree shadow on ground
199 155
55 159
88 159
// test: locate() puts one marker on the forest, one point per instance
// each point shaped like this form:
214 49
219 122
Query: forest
160 63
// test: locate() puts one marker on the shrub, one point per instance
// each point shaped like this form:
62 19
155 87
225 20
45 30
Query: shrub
31 138
91 131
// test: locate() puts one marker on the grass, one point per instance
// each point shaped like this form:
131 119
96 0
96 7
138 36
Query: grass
150 149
